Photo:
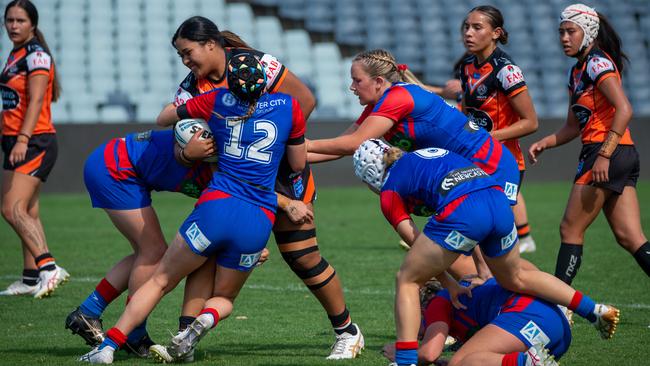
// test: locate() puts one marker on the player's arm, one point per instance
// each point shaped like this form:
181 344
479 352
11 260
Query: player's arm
433 343
293 86
168 116
313 157
297 211
522 104
296 148
372 127
613 91
37 85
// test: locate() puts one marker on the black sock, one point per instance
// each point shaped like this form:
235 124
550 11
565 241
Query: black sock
184 322
30 277
45 262
642 257
342 323
568 262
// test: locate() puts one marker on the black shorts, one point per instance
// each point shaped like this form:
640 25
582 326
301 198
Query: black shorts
42 151
522 173
297 186
623 167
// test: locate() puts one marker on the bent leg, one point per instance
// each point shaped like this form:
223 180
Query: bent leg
142 229
487 347
426 259
177 262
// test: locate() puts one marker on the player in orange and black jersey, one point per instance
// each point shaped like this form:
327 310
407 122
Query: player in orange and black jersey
28 85
496 97
599 112
205 51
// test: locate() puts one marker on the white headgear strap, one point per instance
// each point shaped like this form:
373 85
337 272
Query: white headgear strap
369 162
586 18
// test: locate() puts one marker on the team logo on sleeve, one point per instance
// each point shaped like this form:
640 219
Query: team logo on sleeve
38 60
597 66
534 334
510 76
199 241
249 260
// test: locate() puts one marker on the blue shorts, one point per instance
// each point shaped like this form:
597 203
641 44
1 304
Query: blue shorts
111 181
500 164
535 321
233 229
482 217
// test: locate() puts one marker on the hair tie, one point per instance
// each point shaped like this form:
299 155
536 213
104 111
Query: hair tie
402 67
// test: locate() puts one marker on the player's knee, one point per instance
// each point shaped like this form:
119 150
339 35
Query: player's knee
569 232
456 360
14 211
151 254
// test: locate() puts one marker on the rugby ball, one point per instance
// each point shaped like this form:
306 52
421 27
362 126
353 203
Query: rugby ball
186 128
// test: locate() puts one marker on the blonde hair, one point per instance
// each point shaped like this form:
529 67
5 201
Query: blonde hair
392 155
380 62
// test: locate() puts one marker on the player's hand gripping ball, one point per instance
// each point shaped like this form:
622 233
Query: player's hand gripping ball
186 128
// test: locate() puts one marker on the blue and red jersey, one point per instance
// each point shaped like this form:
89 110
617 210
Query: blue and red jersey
149 156
426 181
421 119
487 302
249 150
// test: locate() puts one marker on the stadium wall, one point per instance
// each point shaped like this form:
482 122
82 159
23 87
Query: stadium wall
76 141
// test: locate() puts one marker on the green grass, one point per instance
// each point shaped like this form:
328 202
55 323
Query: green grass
284 324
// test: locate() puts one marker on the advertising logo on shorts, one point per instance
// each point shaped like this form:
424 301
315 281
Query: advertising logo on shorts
534 334
511 190
510 239
249 260
459 241
197 239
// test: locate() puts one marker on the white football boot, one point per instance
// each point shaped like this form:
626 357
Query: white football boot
160 354
182 345
607 318
48 282
537 355
96 355
19 288
347 346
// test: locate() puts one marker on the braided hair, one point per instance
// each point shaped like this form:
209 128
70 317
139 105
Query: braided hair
379 62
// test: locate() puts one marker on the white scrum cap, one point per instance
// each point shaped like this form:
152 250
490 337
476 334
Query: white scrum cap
586 18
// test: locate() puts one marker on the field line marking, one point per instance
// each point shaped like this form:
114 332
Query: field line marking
302 288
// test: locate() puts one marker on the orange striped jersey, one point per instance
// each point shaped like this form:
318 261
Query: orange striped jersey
487 90
192 86
592 109
24 61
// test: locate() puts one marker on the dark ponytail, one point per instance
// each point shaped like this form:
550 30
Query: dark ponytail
32 13
609 41
200 29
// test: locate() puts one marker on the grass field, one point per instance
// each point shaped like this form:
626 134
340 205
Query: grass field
276 321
